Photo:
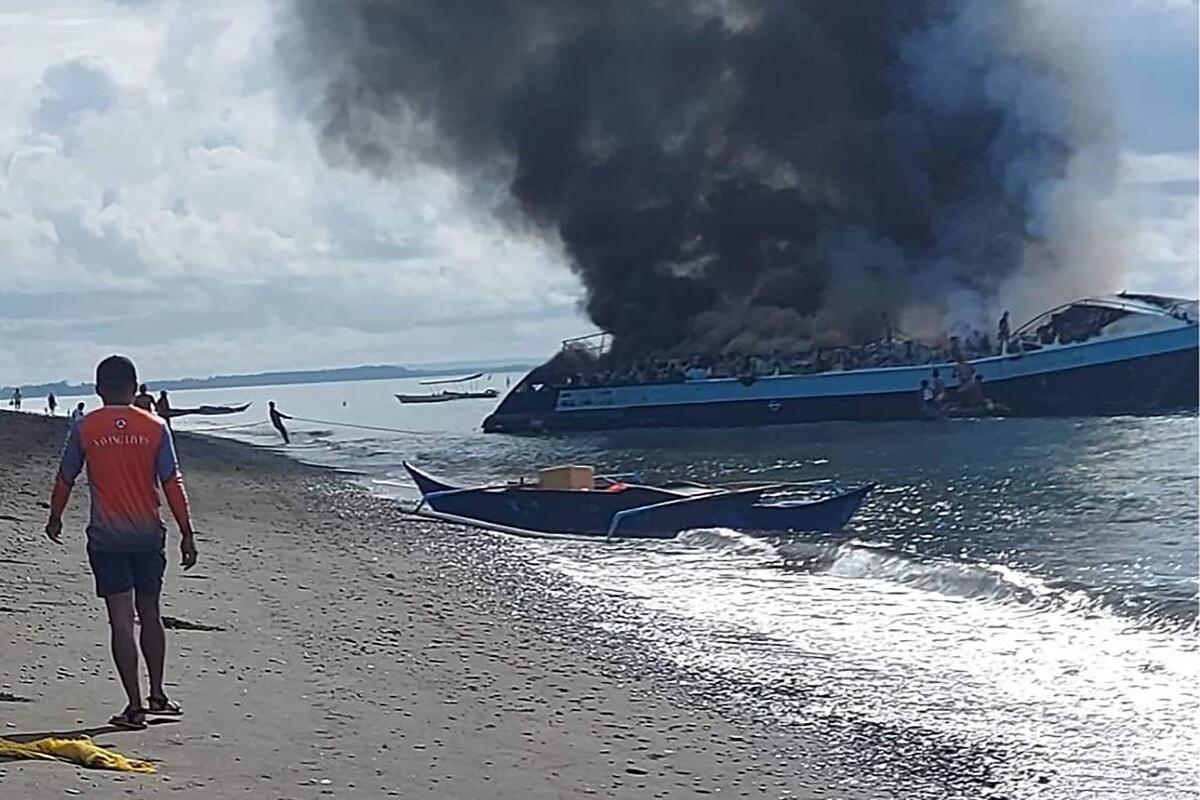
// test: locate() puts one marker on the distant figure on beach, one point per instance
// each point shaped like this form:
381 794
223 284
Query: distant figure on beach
128 454
77 414
1002 333
51 404
163 406
277 419
16 399
143 399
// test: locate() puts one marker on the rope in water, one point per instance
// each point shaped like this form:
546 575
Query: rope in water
362 427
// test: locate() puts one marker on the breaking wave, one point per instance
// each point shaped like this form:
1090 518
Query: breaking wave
859 560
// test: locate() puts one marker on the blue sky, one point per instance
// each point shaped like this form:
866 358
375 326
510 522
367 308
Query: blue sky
161 196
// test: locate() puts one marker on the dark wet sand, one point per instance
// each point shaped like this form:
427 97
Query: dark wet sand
352 662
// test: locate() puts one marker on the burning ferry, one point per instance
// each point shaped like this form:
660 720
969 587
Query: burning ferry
1119 354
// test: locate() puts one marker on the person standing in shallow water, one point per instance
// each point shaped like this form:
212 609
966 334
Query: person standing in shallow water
277 419
51 404
128 454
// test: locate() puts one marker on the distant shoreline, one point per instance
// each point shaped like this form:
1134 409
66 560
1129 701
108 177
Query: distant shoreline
374 372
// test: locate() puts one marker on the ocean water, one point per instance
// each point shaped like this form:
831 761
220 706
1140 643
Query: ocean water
1022 589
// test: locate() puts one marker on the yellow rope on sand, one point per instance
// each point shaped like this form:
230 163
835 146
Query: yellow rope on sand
82 751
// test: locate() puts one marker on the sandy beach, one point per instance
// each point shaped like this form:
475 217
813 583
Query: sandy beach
351 659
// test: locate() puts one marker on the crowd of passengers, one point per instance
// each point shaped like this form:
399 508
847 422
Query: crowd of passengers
1072 325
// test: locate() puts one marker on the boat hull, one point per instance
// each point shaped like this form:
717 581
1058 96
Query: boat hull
1156 374
634 512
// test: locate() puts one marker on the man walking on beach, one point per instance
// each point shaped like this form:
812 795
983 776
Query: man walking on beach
128 454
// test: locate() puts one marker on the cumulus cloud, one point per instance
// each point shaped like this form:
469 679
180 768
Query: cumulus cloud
161 194
169 202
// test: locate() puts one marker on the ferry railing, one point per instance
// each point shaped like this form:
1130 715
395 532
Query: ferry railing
595 343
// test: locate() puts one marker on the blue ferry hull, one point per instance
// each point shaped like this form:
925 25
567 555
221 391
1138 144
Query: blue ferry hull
1139 375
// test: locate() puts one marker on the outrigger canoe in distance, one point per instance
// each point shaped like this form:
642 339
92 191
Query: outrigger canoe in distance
447 395
203 411
621 506
425 398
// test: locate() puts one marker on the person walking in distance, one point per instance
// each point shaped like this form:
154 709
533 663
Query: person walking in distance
277 419
162 407
77 414
143 399
51 404
128 453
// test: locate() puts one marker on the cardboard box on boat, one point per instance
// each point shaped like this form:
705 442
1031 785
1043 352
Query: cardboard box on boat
567 477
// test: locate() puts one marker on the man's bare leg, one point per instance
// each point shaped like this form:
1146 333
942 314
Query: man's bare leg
154 641
124 648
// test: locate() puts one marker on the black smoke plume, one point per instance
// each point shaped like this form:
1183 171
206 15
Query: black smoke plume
729 174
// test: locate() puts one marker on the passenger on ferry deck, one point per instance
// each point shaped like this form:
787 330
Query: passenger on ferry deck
1002 333
956 350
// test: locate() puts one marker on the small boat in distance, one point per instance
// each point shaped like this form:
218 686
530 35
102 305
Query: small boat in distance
441 397
203 411
451 394
572 502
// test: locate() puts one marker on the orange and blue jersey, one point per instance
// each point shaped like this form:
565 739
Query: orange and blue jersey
128 453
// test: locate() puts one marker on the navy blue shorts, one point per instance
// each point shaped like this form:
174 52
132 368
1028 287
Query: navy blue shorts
119 572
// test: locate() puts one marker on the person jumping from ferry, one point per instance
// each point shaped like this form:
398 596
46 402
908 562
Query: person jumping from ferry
965 372
939 386
277 419
929 405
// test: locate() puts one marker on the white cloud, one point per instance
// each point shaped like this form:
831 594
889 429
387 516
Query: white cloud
162 195
157 198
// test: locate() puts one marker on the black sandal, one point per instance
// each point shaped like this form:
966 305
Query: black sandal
131 719
164 707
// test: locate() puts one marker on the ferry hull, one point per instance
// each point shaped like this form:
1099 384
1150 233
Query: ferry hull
1149 383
